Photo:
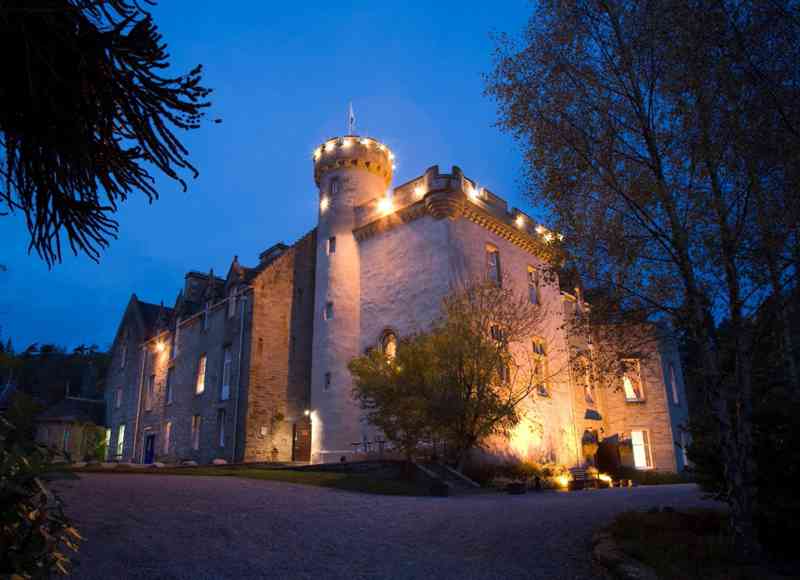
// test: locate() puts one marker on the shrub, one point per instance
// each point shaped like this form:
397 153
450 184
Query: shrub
33 528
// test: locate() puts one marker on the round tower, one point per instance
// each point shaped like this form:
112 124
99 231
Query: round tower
349 171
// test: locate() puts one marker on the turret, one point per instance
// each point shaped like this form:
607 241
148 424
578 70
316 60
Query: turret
349 171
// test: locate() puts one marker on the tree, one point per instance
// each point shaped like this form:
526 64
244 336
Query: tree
663 136
85 113
460 382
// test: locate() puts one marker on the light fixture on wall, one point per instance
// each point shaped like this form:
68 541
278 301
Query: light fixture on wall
159 346
307 412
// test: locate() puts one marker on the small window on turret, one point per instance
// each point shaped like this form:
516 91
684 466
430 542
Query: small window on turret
327 314
334 186
332 245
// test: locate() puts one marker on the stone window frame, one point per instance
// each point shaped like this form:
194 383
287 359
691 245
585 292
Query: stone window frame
539 355
648 449
167 437
388 337
534 280
197 422
327 312
642 397
227 363
200 386
494 268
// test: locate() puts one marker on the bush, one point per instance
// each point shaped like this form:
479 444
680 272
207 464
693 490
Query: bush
642 477
33 529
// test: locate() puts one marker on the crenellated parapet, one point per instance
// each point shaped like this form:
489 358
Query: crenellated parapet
453 196
356 152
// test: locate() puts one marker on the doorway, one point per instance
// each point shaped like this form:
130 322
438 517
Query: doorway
149 448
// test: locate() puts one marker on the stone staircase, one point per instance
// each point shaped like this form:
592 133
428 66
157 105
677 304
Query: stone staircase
454 481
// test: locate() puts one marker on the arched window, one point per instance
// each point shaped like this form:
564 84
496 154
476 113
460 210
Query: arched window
389 344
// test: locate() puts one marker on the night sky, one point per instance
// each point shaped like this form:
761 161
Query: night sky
283 74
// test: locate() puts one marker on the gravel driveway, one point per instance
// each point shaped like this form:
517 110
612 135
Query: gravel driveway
161 526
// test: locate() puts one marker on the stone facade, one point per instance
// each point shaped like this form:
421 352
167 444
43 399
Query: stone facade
276 338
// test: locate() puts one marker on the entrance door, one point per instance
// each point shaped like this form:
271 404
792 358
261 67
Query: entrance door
149 448
301 441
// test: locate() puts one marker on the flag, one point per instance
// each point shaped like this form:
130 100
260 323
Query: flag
351 120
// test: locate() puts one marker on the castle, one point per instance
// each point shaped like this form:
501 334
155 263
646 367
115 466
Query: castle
253 366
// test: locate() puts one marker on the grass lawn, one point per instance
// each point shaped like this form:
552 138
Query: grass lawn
686 545
359 482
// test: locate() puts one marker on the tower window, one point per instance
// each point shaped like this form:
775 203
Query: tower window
327 381
632 380
327 314
332 245
334 186
200 383
493 264
533 285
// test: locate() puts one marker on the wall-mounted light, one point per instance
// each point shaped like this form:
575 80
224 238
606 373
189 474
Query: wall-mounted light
307 412
385 205
560 237
365 142
540 229
548 237
347 142
159 346
419 191
324 203
474 193
317 152
330 145
520 221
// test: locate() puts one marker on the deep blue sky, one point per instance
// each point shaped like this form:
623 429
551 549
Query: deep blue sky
283 74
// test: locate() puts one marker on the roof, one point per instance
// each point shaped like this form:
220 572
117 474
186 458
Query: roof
74 409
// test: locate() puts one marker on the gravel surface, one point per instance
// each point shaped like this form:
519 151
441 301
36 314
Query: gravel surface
162 526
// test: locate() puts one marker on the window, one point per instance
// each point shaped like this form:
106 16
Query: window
331 245
200 386
641 450
685 448
327 314
493 264
150 393
540 366
632 379
389 344
107 443
334 186
225 390
260 346
205 316
120 440
221 427
167 436
168 386
124 355
674 384
65 441
232 303
196 420
327 381
118 398
533 285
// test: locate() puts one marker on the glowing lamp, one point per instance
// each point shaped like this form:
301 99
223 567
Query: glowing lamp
307 412
394 166
347 142
605 477
540 230
391 156
324 203
385 205
317 152
330 145
560 237
562 481
419 191
473 193
548 237
520 221
382 147
160 346
364 142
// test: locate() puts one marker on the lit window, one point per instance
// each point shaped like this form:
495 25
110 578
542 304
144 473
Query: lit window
120 440
149 393
196 420
327 314
221 427
168 387
167 436
327 381
389 345
642 458
540 366
227 358
107 443
332 245
632 380
533 285
200 386
673 382
118 398
493 264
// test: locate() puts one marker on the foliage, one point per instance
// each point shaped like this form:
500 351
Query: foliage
85 113
664 137
34 533
692 544
462 381
647 477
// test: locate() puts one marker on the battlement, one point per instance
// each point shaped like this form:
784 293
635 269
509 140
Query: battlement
452 195
353 151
